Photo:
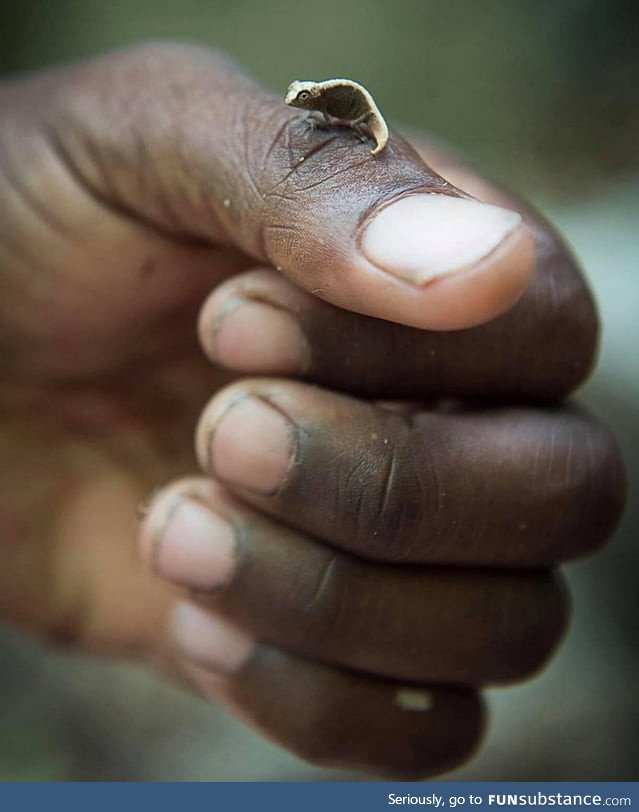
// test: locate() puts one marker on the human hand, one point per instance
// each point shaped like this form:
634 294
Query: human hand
135 185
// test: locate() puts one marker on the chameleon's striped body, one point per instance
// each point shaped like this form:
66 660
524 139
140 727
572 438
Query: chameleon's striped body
342 101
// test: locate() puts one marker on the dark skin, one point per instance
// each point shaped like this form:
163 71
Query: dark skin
404 546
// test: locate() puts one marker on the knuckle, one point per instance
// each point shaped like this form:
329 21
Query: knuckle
321 600
570 318
593 493
460 730
392 744
384 496
580 352
603 493
320 740
531 628
315 749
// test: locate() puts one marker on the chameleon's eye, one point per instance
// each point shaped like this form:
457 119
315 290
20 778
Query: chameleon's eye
303 95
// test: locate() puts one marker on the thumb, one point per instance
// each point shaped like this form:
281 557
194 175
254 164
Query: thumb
177 137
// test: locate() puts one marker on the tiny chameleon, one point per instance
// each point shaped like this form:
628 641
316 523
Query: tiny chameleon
342 102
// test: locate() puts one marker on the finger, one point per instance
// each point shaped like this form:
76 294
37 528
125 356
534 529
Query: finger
543 347
260 323
419 624
324 715
418 488
211 156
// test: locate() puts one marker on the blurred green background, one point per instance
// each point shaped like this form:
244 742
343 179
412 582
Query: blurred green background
545 97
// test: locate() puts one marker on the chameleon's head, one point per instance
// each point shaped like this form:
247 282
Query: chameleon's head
302 94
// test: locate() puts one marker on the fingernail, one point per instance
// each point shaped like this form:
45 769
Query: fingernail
252 446
258 337
422 237
208 640
195 547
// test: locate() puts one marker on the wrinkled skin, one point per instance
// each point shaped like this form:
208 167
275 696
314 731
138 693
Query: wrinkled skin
415 546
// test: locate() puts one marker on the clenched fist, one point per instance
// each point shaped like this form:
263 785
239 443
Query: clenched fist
375 362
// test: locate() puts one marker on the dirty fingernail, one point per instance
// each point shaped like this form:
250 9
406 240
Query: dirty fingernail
252 446
208 640
425 236
194 547
258 337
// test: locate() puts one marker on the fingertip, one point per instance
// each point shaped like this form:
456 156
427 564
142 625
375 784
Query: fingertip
209 641
251 324
161 507
449 263
259 337
480 293
429 260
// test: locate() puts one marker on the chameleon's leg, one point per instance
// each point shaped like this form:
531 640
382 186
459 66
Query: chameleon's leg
360 128
313 122
327 120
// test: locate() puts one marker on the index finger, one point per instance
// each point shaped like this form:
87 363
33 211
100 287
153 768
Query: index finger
179 138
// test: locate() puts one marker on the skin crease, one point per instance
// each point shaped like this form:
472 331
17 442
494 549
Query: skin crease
113 233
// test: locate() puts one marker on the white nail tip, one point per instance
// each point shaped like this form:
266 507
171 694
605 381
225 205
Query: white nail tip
423 237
